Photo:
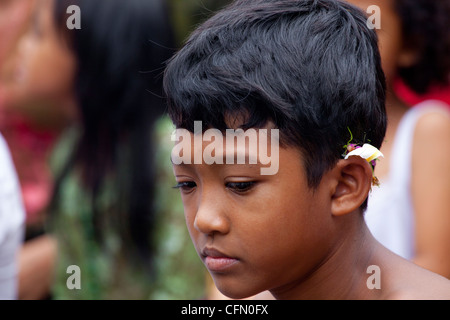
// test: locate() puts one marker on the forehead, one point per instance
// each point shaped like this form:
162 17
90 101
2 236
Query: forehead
251 147
222 143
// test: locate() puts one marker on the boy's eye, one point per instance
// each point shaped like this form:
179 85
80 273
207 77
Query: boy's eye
186 186
240 186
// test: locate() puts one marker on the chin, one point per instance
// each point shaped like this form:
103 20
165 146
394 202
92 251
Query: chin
236 292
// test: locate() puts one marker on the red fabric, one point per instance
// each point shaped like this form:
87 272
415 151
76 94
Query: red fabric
29 150
411 98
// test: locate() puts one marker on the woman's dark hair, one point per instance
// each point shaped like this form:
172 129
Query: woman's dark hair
120 51
312 67
426 26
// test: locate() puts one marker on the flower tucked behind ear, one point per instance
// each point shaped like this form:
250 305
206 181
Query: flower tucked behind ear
368 152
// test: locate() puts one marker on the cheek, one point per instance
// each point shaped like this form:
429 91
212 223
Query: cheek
286 241
62 77
390 37
190 212
389 51
189 216
294 226
47 71
390 42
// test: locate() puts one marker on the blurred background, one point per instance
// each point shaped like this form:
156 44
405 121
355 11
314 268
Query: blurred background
41 137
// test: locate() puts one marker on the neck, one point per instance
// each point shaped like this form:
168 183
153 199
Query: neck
342 274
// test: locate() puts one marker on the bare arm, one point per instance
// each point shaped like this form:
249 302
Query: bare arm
36 267
431 192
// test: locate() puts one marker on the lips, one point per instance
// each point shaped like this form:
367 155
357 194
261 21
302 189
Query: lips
217 261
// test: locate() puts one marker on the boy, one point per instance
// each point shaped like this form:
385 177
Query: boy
310 71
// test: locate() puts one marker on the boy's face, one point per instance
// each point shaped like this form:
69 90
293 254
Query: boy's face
255 232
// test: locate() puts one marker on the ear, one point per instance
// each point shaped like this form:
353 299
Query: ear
353 181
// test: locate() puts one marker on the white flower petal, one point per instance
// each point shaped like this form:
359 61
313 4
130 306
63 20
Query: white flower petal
367 152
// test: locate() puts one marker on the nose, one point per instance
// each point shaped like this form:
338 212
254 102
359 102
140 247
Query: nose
211 217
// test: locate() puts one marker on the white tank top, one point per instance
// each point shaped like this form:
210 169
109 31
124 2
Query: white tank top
12 224
390 212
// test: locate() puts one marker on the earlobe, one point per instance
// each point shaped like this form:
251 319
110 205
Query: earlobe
353 180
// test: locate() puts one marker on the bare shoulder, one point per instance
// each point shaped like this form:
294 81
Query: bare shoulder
434 124
421 284
431 147
401 279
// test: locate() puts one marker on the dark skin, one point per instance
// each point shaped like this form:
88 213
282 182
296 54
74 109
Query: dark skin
313 244
430 185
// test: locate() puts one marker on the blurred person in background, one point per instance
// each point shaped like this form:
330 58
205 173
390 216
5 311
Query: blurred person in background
28 135
30 138
13 17
12 223
102 85
409 213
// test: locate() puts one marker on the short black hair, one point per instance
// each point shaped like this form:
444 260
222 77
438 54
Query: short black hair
425 29
312 67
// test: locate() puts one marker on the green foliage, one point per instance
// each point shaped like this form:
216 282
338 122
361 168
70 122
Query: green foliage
187 14
180 272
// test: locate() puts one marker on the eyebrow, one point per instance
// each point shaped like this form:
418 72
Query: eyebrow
235 156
